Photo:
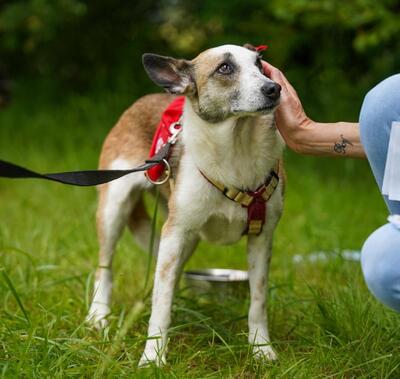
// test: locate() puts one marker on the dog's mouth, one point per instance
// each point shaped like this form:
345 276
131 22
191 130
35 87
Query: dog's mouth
269 107
265 109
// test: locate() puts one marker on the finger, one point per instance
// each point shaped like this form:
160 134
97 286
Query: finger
271 71
267 67
291 91
290 88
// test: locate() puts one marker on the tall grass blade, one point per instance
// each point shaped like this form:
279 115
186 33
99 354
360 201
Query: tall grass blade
15 293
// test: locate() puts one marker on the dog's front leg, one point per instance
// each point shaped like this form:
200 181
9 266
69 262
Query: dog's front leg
259 256
172 244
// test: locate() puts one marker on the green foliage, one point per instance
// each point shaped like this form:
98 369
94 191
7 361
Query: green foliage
80 42
317 42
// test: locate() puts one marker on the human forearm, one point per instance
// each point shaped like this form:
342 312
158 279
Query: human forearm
328 139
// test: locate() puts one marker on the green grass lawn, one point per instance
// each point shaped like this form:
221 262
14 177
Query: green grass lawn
323 321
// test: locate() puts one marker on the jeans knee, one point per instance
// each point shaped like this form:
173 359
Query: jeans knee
380 261
380 107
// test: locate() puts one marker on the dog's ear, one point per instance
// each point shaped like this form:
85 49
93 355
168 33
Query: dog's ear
174 75
250 47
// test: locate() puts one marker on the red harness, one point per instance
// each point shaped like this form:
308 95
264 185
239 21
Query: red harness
168 127
254 201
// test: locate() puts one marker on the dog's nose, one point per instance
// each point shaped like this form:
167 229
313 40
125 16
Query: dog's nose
271 90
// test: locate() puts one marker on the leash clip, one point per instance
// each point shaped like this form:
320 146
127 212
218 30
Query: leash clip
175 128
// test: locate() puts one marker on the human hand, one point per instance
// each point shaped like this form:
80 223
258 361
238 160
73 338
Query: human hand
290 116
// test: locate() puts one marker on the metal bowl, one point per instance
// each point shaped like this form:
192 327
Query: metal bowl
217 281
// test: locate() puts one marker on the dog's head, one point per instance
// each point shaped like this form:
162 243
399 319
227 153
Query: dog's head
221 82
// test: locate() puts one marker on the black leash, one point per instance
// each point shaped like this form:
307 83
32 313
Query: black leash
82 178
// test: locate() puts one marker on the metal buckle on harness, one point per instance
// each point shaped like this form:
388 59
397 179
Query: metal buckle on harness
167 173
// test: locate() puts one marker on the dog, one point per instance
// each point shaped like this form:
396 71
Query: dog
228 136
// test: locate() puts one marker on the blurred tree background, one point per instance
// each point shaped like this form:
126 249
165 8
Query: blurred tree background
331 50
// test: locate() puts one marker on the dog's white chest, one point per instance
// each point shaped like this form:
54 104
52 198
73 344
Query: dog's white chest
205 210
222 231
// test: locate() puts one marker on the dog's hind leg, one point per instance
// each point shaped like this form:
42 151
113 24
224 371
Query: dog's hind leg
116 201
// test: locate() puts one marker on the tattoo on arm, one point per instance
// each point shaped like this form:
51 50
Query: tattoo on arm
340 147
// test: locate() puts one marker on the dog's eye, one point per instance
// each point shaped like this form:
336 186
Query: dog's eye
225 68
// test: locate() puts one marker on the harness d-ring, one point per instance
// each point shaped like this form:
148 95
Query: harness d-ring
167 172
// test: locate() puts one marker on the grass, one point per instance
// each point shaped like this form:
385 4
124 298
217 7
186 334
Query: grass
323 321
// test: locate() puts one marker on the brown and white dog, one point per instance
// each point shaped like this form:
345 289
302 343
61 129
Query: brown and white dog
229 135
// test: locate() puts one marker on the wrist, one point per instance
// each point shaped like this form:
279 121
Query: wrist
302 136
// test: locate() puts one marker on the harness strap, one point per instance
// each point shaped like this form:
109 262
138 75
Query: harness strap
254 201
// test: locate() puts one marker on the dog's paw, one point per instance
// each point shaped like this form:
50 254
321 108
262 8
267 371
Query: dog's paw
97 315
152 357
265 352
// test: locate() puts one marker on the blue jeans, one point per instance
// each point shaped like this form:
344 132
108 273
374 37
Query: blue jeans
380 256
